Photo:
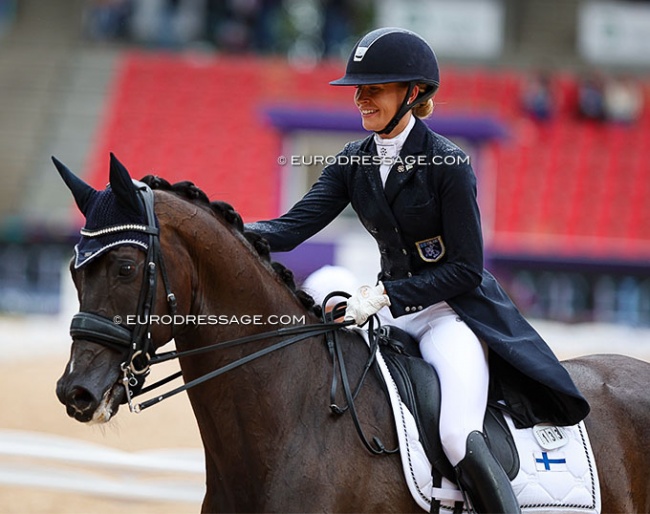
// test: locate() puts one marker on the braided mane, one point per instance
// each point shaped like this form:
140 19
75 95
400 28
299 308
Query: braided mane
188 191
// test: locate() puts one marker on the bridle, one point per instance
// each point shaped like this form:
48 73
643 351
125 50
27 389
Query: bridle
141 354
136 342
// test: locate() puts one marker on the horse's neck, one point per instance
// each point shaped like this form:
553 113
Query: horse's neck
232 283
246 416
245 296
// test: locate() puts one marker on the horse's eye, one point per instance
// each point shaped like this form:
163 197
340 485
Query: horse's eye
126 270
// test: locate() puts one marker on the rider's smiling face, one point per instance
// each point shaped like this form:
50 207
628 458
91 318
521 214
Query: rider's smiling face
378 103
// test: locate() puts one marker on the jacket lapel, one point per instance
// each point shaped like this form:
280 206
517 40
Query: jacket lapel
407 165
373 181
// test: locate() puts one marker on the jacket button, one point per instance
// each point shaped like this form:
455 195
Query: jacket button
419 307
396 229
407 309
404 251
409 274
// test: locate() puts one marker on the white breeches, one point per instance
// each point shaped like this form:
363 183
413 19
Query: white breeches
460 360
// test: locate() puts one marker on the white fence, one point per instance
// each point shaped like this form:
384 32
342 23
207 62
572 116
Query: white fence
53 462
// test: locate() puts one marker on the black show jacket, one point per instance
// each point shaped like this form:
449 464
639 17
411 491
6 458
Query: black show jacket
427 226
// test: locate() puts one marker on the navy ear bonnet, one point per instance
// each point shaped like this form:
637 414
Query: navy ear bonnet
121 214
109 224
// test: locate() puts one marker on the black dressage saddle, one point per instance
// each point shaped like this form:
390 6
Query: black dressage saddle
419 389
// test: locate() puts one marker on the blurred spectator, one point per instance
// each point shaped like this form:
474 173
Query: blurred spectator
167 23
337 18
267 27
244 25
591 102
106 20
328 279
623 100
316 28
537 96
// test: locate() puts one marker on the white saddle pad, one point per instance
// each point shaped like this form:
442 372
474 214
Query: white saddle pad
557 467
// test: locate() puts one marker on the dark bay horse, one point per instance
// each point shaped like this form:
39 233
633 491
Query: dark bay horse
271 441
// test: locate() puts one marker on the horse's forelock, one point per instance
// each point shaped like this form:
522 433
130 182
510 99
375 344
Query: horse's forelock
188 191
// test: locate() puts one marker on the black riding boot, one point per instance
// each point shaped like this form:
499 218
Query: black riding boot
481 476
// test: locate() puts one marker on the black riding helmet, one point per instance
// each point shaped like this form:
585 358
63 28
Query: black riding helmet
393 55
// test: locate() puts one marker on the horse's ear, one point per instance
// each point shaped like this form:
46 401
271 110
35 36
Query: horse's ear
82 192
123 187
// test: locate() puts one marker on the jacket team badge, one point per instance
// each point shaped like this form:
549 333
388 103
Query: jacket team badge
431 250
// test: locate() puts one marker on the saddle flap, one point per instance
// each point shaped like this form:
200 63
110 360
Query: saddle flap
500 440
419 389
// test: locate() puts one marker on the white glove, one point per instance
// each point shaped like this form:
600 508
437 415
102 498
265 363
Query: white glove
366 302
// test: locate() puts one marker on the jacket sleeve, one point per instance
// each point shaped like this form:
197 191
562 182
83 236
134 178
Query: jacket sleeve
322 203
462 269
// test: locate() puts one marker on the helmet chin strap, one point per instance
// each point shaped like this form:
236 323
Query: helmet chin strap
406 106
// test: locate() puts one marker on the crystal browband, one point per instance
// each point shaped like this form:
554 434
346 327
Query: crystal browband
117 228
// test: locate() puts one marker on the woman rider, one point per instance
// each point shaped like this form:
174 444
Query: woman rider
415 192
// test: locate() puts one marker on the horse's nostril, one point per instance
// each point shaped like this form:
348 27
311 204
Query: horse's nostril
80 397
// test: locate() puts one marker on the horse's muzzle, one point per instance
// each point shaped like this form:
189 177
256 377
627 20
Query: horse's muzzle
90 388
87 406
80 403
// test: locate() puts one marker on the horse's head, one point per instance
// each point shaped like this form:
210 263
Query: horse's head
115 269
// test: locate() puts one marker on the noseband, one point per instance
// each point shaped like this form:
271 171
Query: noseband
136 342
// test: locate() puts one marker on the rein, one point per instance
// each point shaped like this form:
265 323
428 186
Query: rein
141 356
338 361
299 333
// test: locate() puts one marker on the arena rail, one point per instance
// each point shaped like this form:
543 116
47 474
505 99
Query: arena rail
34 459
